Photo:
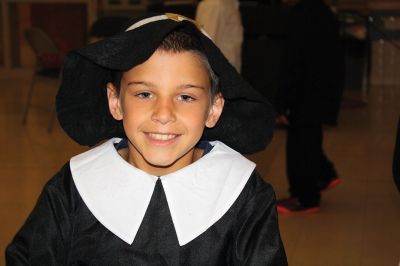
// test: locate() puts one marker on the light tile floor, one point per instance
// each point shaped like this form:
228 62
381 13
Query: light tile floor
359 224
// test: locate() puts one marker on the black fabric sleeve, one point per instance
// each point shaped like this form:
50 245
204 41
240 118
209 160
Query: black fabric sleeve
258 240
43 239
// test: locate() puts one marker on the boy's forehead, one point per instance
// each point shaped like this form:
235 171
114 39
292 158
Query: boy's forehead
171 69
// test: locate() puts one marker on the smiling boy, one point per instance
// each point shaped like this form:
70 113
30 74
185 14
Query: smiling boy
164 188
165 103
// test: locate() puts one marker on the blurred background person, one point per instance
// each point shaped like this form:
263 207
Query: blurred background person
308 97
222 21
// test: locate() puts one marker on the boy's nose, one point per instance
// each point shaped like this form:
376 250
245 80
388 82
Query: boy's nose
164 112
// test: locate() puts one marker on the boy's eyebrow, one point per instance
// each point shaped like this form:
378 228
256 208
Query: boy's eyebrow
149 84
187 86
145 83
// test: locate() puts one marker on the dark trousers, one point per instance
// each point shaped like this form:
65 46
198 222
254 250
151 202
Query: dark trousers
306 164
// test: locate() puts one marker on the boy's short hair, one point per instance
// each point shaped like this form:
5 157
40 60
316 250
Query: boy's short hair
178 42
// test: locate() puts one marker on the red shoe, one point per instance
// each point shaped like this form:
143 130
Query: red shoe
332 183
293 206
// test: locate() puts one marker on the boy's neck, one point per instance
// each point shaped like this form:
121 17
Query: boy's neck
158 170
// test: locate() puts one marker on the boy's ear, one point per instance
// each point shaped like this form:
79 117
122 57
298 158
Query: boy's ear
114 102
215 110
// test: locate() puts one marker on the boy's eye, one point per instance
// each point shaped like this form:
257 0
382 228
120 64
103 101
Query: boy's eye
144 95
186 98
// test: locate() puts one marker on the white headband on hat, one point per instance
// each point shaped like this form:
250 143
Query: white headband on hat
175 17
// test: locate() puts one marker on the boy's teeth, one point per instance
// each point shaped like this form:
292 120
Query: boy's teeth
161 136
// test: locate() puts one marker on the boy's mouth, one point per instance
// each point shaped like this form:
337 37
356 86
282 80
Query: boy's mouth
158 136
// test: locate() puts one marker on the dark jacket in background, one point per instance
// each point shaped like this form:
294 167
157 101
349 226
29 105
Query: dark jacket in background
313 81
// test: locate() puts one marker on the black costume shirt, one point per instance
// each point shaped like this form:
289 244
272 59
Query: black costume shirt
173 224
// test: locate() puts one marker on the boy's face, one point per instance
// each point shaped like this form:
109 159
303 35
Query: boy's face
165 104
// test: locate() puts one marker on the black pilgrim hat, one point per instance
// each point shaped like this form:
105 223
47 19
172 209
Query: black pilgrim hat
246 123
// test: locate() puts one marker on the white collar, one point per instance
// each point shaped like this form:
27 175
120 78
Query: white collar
198 195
